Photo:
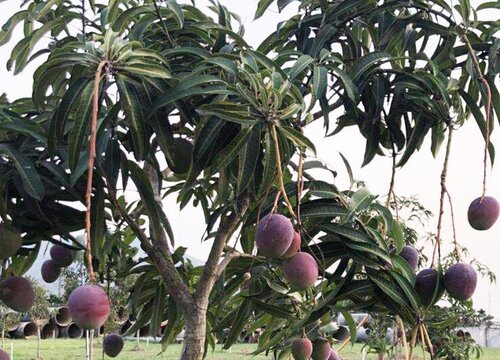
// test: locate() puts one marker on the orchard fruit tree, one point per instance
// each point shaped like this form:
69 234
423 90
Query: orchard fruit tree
160 97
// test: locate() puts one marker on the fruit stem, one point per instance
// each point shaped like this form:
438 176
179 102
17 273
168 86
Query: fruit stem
422 340
405 341
455 243
361 323
487 108
428 339
413 341
444 173
92 155
390 193
300 184
280 171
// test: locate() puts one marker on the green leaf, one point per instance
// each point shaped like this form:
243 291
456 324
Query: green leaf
78 134
30 178
191 86
300 65
398 236
369 248
70 99
320 80
277 311
321 209
239 323
10 24
365 64
224 63
348 168
147 69
480 120
269 162
248 158
229 111
417 134
353 331
229 153
389 289
349 86
205 139
177 11
157 310
132 106
20 54
361 200
173 316
262 7
98 222
408 289
322 189
297 138
352 234
143 185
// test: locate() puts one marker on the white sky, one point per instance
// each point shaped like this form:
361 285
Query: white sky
419 177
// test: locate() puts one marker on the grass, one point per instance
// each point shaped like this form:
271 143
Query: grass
75 349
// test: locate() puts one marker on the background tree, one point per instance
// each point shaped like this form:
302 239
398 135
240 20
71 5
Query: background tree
128 87
40 312
8 319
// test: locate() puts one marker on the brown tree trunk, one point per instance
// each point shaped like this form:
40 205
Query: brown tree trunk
39 336
194 336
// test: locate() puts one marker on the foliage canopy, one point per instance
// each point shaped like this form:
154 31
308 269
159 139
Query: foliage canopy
401 71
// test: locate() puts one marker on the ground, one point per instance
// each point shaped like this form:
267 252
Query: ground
75 349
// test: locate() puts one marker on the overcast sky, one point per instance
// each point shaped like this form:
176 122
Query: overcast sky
421 176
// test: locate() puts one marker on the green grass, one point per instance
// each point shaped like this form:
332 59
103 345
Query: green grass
75 349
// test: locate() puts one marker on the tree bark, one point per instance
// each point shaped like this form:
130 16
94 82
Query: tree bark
194 306
194 337
39 335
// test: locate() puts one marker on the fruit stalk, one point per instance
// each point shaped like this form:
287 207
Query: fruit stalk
444 173
365 319
487 108
452 212
92 155
280 171
405 341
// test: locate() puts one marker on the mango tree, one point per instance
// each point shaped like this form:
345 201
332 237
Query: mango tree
159 97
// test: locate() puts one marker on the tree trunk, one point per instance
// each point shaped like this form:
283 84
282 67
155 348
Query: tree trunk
39 335
194 336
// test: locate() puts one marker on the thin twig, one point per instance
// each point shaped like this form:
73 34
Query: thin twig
393 176
361 323
428 339
280 171
84 34
300 184
405 341
413 341
455 242
444 173
422 340
92 155
165 30
481 78
275 202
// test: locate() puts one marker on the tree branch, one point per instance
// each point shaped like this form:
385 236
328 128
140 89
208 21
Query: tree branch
230 256
159 253
211 269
